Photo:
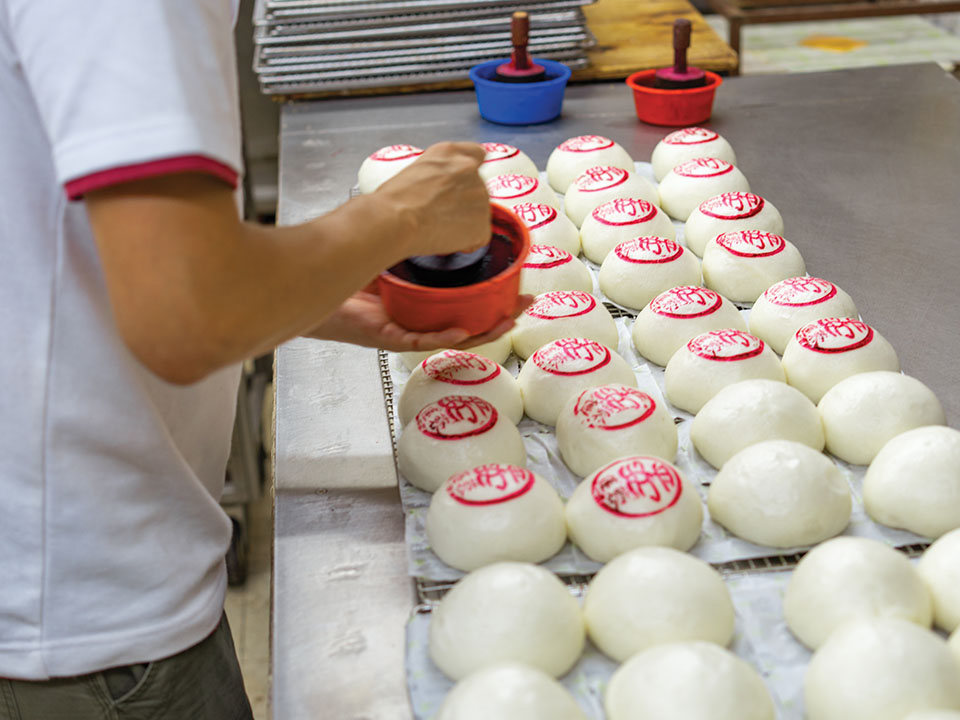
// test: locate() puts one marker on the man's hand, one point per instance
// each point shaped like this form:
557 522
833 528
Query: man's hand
362 320
441 201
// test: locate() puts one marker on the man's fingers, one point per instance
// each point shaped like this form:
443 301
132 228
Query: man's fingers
472 150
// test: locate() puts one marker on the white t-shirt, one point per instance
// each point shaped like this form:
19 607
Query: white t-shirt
111 537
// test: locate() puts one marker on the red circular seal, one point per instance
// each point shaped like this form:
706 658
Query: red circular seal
490 484
800 291
459 367
586 143
648 250
543 257
835 335
703 168
571 356
613 407
506 187
396 152
602 177
751 243
686 302
456 417
499 151
625 211
637 487
732 206
535 215
561 304
726 345
690 136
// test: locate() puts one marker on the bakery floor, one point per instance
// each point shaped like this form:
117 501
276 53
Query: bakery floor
248 606
839 44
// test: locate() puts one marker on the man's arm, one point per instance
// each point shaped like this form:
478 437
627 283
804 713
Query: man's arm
194 289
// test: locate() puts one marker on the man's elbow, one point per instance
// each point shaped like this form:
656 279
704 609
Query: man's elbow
180 356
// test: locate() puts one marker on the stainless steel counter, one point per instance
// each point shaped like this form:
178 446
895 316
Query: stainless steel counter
864 165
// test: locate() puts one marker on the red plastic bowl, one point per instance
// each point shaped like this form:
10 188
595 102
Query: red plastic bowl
475 308
673 108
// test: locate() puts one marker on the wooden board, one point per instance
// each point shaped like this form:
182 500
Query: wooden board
631 35
638 35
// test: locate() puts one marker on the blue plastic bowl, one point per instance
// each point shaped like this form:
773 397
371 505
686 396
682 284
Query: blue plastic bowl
520 103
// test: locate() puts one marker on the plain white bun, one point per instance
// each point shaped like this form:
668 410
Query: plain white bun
560 314
606 422
455 433
690 183
880 669
687 681
506 612
673 318
633 502
728 212
382 165
753 411
563 369
458 372
503 159
826 351
620 220
914 482
548 227
509 691
598 185
714 360
511 189
787 306
861 413
687 144
548 268
574 155
640 269
497 350
656 595
742 264
494 513
940 569
782 494
851 578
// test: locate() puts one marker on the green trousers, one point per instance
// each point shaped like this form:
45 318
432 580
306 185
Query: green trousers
200 683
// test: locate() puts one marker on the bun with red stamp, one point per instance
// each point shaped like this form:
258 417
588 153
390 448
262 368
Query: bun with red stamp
693 181
383 164
632 502
676 316
729 212
454 433
503 159
641 268
713 360
512 189
564 368
459 372
577 154
688 144
559 314
606 422
495 512
548 269
742 264
786 306
601 184
619 220
547 226
828 350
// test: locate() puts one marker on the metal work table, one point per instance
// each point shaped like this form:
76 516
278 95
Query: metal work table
862 164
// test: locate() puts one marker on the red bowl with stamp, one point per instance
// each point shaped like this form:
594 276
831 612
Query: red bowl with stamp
477 299
672 108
